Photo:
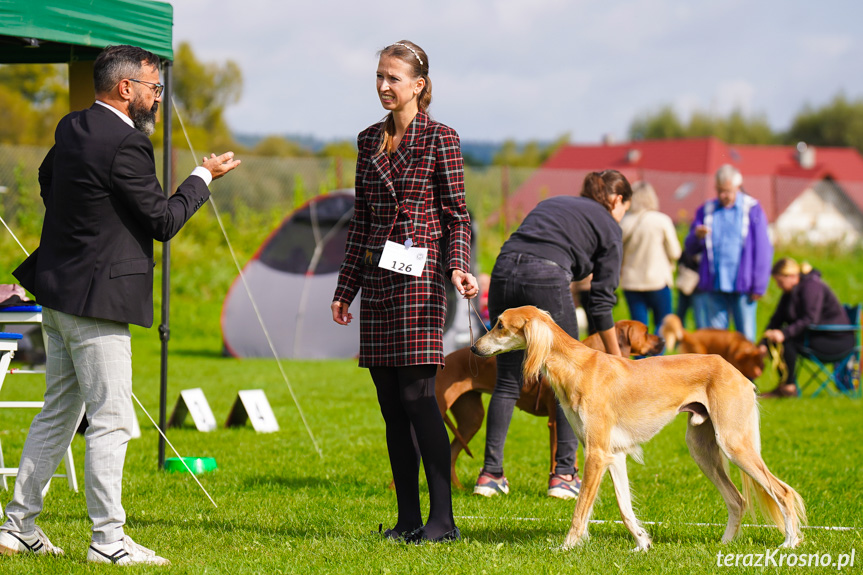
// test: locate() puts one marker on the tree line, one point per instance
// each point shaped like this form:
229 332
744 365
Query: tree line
33 97
837 123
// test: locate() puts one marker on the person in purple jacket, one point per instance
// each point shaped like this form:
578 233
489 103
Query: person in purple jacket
730 233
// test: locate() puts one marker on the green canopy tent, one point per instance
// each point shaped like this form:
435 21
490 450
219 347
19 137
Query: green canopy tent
74 32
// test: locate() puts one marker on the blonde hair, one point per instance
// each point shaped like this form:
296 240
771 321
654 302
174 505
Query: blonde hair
643 198
790 267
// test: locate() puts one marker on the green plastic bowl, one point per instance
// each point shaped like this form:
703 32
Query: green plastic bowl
198 465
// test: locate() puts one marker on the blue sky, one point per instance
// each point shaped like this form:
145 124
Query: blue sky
529 69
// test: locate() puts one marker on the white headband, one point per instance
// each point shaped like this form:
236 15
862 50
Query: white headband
412 50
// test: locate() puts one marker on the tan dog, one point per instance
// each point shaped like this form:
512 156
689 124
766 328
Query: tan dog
731 345
463 379
615 404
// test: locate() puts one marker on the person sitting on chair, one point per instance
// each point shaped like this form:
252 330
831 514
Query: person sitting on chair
806 300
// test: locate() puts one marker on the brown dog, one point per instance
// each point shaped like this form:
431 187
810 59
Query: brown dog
464 377
615 404
731 345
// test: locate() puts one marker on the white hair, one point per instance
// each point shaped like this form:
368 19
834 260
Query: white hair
728 174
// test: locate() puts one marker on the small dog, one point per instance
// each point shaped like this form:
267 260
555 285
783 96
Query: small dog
463 379
731 345
615 404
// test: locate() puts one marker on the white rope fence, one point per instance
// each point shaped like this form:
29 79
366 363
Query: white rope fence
249 292
619 522
182 459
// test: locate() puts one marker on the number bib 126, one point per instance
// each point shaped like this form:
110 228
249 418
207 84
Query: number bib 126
409 261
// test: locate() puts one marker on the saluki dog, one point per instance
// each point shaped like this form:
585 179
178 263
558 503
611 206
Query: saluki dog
616 404
463 378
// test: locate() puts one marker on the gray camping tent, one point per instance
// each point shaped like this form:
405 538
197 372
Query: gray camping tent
292 279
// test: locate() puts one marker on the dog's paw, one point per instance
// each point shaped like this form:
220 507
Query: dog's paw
643 547
573 541
791 543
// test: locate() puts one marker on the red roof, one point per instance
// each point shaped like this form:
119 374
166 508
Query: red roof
682 172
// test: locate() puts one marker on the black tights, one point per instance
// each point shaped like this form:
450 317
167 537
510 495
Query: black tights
407 399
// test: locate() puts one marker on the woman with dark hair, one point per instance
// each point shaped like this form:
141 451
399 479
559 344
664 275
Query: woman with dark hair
409 234
563 239
806 300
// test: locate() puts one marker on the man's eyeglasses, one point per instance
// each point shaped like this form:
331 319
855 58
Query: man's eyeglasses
157 88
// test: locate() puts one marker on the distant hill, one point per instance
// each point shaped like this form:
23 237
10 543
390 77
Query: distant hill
479 153
475 153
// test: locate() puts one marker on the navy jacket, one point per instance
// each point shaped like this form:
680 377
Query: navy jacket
810 302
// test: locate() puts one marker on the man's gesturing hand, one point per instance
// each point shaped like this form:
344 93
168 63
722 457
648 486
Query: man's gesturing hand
218 166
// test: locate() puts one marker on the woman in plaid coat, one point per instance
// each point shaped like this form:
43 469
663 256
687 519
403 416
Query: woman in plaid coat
409 191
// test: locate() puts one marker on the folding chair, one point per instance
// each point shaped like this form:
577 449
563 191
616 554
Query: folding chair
844 375
25 314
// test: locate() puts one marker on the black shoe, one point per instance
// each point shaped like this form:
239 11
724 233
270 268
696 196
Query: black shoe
453 535
419 536
393 534
415 536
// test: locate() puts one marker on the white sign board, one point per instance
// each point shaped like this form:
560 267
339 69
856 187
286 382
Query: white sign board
192 402
252 404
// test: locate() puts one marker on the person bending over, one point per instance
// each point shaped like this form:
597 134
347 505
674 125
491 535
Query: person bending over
562 239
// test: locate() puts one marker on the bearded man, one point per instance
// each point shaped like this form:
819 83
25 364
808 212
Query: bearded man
93 275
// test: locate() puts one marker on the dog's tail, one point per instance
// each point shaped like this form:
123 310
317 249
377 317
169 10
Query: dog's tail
671 331
756 495
768 507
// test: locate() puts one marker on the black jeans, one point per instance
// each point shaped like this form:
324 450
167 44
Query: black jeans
516 280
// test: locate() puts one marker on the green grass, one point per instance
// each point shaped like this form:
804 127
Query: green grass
284 509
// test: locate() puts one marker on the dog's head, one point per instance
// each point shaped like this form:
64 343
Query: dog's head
526 328
508 334
634 338
748 359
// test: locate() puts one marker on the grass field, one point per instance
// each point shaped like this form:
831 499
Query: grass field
284 509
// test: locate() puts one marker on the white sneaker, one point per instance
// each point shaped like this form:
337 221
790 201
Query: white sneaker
34 542
124 552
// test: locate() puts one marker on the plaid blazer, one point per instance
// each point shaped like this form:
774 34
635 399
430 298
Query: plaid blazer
416 193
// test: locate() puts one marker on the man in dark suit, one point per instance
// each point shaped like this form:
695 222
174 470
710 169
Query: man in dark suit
93 275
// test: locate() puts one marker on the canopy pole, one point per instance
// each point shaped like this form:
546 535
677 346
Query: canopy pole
164 330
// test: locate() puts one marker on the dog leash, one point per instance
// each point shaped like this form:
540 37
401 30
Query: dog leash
470 322
775 349
472 361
